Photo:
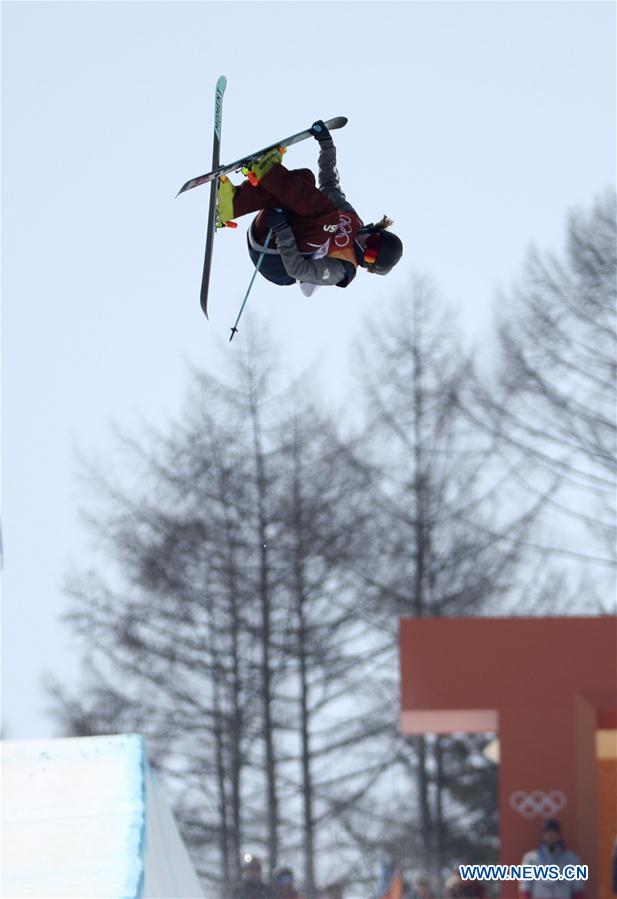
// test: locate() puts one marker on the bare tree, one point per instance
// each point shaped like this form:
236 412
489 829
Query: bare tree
552 407
440 540
174 621
220 619
326 640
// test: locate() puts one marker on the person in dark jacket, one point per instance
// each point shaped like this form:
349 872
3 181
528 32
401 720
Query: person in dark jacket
455 886
284 885
319 238
251 885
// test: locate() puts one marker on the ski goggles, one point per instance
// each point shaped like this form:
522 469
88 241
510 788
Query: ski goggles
371 249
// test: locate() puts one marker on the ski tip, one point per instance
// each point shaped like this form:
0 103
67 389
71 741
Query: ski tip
337 122
184 188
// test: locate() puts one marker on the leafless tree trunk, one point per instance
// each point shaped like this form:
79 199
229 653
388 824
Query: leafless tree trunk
265 634
323 642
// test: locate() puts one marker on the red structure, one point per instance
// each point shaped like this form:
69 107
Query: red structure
545 686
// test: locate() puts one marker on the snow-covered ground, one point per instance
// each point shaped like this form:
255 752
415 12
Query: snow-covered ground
86 818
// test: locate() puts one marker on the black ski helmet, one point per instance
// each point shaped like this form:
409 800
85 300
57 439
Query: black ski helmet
382 249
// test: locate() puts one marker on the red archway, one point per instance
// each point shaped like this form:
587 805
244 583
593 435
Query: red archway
545 686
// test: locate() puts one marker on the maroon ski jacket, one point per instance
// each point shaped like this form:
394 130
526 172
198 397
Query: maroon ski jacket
318 246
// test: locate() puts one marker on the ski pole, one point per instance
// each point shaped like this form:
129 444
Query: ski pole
257 267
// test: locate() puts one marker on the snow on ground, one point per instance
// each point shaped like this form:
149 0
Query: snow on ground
85 817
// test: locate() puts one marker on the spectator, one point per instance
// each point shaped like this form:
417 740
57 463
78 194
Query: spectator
333 890
457 888
422 889
284 886
252 886
551 851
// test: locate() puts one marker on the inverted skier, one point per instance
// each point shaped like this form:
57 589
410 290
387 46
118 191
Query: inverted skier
319 238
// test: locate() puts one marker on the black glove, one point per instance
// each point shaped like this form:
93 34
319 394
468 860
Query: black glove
277 219
319 131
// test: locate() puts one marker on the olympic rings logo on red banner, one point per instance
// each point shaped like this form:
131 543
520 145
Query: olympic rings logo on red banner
342 238
538 804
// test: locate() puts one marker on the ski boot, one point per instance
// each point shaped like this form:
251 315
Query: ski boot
257 168
225 193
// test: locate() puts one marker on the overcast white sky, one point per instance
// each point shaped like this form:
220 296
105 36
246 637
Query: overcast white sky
476 126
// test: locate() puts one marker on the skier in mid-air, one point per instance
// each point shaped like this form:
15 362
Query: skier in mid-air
320 240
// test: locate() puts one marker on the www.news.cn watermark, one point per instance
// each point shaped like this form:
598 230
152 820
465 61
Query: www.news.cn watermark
524 872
